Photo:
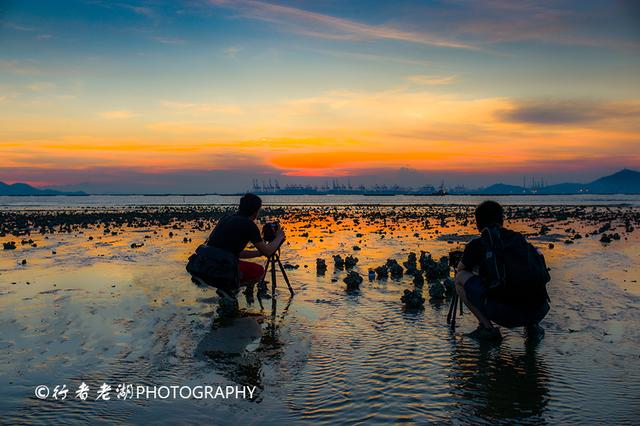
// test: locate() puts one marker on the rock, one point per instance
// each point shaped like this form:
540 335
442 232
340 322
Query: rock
11 245
395 269
350 262
382 272
413 300
605 239
356 248
136 245
321 266
24 261
437 290
372 274
551 246
449 285
435 270
418 279
411 264
338 262
290 266
353 281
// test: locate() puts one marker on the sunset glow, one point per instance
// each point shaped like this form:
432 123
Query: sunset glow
463 90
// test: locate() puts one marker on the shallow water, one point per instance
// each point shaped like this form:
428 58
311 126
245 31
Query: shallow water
100 311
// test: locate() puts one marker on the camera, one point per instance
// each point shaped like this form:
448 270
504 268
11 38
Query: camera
269 231
455 257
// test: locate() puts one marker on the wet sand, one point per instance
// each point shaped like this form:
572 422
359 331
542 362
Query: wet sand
103 296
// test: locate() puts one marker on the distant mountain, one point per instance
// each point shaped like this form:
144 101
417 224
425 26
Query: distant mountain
501 189
24 189
623 182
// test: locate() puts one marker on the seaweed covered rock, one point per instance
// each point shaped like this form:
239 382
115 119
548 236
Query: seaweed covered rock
411 264
350 262
382 272
413 299
11 245
321 266
418 279
395 270
338 262
437 270
353 281
437 290
449 285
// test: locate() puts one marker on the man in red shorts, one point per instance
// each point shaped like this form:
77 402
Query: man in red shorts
234 232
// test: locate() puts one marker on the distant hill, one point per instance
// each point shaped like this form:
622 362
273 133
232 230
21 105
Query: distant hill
501 189
24 189
623 182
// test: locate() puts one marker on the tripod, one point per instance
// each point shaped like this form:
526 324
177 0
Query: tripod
271 264
453 307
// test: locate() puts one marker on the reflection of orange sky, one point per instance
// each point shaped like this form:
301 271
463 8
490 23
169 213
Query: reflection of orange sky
337 133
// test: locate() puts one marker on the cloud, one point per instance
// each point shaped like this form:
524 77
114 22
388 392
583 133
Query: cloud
117 114
201 108
319 25
563 112
432 80
20 67
173 41
231 51
43 86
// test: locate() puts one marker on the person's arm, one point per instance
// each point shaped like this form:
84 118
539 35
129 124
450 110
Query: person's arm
267 249
470 256
249 254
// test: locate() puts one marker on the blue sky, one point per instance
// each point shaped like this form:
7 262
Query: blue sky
94 92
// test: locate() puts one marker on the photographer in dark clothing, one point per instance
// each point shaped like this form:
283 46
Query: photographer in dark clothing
234 232
501 277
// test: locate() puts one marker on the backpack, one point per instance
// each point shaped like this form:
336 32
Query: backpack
514 268
215 266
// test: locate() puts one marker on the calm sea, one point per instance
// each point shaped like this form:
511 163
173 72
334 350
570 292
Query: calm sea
313 200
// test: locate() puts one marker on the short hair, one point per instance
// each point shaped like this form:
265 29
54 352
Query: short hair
489 213
249 204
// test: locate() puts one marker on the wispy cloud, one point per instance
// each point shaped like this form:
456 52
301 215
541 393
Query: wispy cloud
563 112
117 114
168 40
329 27
431 80
199 108
22 67
231 51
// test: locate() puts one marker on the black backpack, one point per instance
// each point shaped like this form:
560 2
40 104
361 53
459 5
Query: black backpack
216 267
514 268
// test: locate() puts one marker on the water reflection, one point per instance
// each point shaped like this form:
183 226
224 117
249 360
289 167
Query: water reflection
240 347
498 383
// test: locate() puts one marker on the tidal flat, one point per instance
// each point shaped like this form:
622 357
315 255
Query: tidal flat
100 295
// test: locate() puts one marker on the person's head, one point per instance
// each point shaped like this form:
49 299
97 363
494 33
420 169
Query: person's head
250 205
489 213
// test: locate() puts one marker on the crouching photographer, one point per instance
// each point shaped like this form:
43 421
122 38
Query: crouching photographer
218 262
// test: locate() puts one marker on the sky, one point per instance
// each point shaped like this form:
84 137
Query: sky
205 95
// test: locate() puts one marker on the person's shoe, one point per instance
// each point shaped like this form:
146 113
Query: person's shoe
533 333
487 334
263 291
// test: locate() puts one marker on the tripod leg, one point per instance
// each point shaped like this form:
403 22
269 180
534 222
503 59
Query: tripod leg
284 274
264 274
452 307
273 278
